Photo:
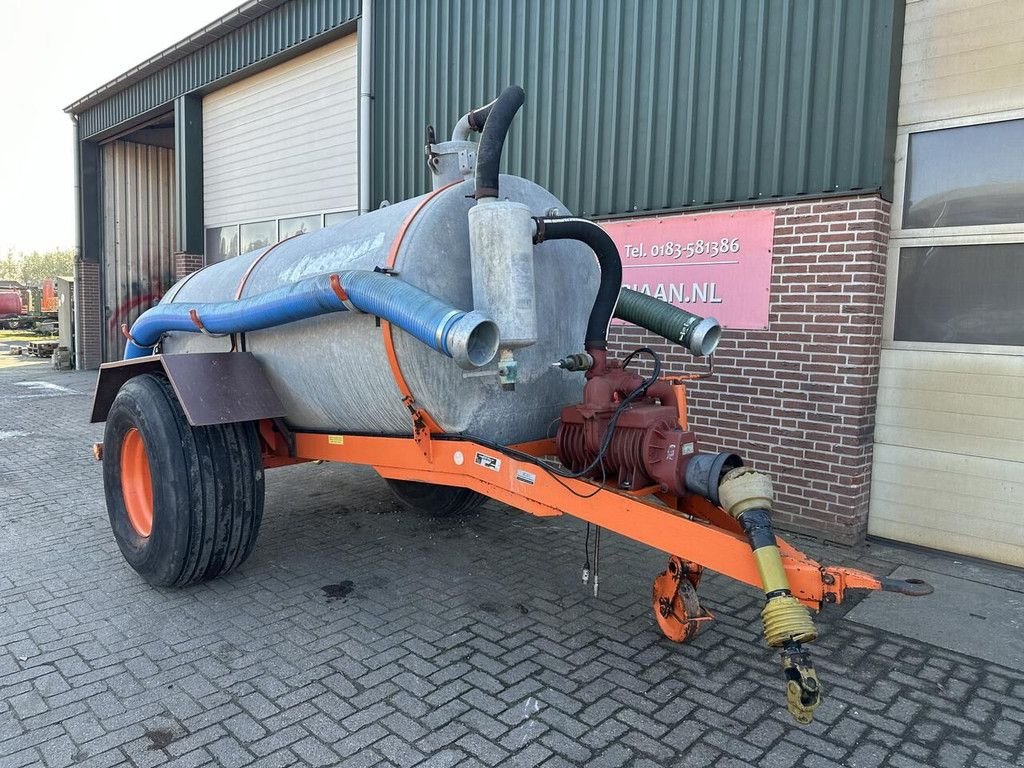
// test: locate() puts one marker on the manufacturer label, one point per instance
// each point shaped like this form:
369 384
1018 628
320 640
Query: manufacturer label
336 439
491 462
525 477
687 449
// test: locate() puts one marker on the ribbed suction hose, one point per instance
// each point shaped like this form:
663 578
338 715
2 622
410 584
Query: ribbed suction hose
470 338
698 334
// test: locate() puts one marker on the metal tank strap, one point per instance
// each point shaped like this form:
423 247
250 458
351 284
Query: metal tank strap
257 260
422 421
248 272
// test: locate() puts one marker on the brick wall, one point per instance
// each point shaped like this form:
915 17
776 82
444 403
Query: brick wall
798 400
186 264
88 316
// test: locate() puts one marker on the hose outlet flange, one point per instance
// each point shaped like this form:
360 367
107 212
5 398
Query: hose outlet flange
473 340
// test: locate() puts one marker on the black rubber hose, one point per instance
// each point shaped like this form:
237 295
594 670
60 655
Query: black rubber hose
492 140
478 117
699 335
607 253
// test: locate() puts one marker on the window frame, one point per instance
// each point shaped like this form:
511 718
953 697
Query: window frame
277 226
988 234
891 272
900 176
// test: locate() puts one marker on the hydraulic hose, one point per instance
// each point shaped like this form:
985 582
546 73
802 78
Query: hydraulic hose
592 235
698 334
488 155
468 337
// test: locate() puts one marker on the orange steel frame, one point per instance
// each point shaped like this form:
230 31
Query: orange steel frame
690 527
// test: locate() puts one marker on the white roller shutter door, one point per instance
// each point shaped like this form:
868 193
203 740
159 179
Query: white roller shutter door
284 142
948 469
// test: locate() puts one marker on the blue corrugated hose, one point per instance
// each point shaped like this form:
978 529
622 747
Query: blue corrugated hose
414 311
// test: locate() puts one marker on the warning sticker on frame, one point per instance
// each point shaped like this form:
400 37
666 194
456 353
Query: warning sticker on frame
525 477
490 462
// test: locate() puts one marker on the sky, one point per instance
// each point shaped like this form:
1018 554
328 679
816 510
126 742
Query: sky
53 52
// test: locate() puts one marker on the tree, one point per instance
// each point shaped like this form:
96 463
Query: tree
32 268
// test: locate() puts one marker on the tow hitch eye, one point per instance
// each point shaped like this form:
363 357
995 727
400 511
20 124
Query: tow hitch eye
911 587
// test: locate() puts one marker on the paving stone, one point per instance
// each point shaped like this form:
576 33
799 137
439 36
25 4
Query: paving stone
463 642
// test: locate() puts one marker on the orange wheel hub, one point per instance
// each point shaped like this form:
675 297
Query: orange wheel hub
136 483
676 608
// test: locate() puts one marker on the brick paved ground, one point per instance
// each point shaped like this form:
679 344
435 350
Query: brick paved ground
359 635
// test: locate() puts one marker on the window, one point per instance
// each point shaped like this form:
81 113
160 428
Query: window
298 225
227 242
330 219
961 294
971 175
258 234
221 243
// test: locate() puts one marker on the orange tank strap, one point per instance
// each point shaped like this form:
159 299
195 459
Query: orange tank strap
418 414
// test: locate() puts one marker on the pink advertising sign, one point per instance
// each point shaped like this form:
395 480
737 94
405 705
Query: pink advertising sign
717 264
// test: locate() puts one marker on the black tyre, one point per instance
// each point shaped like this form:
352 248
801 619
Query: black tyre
185 503
442 500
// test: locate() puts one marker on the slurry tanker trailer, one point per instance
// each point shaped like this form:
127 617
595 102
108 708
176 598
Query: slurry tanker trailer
437 340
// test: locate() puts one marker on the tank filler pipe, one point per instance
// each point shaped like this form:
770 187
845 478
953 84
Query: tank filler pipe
593 236
488 156
468 337
470 122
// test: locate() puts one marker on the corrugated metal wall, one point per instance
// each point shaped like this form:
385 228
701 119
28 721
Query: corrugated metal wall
138 234
269 35
636 105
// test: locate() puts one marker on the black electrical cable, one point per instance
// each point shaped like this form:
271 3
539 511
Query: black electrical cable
657 363
605 443
586 551
610 431
557 472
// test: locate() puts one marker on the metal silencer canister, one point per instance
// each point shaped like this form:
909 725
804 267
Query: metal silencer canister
501 252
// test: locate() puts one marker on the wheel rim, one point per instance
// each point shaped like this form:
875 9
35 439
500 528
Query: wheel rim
136 483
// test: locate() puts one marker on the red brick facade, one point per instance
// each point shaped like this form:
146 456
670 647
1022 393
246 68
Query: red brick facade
798 400
186 264
89 315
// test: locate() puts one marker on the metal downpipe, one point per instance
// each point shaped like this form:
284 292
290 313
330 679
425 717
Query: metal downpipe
365 102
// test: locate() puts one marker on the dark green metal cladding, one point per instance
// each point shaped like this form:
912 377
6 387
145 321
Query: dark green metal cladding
90 210
646 105
188 176
287 27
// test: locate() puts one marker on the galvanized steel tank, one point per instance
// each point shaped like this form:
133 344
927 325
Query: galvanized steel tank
333 373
